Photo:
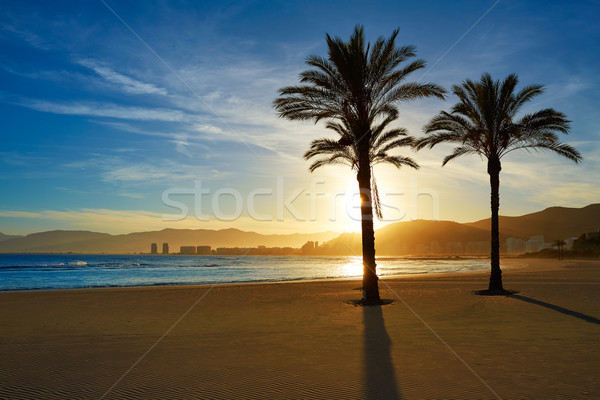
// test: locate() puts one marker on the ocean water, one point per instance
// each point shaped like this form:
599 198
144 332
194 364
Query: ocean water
37 271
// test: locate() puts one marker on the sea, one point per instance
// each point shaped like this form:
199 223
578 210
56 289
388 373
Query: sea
70 271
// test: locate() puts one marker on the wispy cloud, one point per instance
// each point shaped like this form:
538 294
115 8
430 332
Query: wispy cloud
123 82
26 35
106 110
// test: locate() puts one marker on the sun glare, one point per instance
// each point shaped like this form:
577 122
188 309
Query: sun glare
354 267
352 200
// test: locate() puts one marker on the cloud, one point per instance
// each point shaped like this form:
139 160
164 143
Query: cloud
26 35
206 128
141 173
125 83
160 171
107 110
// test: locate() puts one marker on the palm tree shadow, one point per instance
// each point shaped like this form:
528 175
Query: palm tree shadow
566 311
378 366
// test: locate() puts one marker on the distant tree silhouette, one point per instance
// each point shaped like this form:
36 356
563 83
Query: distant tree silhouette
356 90
559 244
483 123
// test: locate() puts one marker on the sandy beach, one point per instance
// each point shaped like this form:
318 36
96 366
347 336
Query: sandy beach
437 340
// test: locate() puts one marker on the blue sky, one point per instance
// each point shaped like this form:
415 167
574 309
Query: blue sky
103 111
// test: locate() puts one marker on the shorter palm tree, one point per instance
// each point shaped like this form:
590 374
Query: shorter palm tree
483 123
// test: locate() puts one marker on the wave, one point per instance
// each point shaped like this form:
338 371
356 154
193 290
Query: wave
78 263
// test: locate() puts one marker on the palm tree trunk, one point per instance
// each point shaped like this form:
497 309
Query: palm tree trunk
370 279
494 168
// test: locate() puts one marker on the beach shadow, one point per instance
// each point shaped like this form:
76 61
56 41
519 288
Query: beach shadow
566 311
378 367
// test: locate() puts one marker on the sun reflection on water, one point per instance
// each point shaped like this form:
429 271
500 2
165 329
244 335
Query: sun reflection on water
353 268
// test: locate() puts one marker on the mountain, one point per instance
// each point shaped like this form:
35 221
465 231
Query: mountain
415 237
52 241
554 223
139 242
446 237
4 237
400 238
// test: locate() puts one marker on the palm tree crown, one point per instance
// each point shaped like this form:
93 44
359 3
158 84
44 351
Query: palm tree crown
356 89
482 122
355 84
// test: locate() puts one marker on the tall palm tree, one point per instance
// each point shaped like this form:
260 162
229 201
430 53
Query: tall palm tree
484 122
356 86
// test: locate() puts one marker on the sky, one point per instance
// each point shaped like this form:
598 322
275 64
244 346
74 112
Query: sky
143 115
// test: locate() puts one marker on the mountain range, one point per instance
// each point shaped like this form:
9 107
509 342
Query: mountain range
400 238
554 223
139 242
4 237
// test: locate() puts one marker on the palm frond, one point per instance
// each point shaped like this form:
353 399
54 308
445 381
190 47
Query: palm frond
436 138
457 152
396 161
562 149
376 199
412 91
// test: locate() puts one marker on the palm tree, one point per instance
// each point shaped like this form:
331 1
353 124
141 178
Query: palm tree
483 122
559 244
355 87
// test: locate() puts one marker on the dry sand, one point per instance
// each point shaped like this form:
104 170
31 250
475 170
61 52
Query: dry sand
301 340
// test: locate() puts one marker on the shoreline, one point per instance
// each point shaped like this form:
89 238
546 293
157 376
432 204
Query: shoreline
283 281
509 265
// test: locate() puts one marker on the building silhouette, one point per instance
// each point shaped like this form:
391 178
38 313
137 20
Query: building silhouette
153 248
187 250
203 250
534 244
515 245
165 248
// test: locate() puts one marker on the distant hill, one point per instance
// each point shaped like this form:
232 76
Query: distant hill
139 242
554 223
4 237
412 237
442 237
401 238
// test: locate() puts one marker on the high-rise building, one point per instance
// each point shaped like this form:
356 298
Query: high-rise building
165 248
187 250
203 250
478 247
534 244
454 248
434 247
153 248
515 245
